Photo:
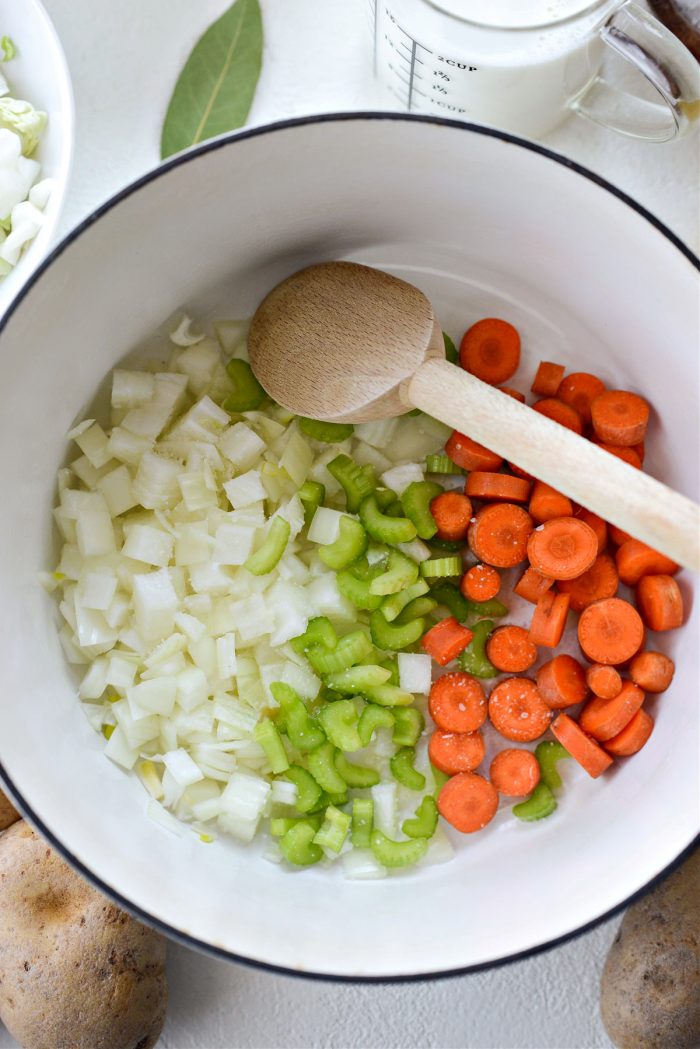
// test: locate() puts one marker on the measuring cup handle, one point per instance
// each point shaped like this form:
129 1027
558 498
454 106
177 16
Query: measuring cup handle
665 62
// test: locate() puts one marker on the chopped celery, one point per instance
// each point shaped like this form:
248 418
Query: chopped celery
394 603
441 464
357 481
383 528
548 753
408 725
371 719
492 609
397 853
334 830
540 804
358 679
308 791
269 554
322 768
311 495
358 776
268 737
279 825
392 638
440 778
107 731
385 497
320 631
403 771
448 546
351 649
416 501
329 433
304 733
441 567
350 544
449 595
362 820
424 821
394 509
297 845
401 572
393 667
473 658
339 722
330 799
248 394
354 584
416 609
388 696
451 353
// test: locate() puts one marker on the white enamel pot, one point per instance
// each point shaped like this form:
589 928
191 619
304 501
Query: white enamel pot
486 225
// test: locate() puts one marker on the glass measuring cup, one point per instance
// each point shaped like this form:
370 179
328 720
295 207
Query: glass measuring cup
524 65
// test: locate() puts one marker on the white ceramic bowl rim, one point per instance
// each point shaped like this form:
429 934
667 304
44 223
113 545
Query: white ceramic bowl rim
183 158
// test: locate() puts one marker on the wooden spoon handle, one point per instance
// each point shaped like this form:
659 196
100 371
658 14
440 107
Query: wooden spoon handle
650 511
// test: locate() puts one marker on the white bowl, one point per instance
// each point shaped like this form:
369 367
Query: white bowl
486 224
39 74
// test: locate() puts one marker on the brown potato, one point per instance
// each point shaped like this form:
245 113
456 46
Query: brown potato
76 972
650 988
8 813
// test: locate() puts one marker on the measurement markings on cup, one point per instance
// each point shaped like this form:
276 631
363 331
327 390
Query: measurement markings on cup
407 62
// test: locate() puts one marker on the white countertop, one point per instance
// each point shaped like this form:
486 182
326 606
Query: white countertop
124 58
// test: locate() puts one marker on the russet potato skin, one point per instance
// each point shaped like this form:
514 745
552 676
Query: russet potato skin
76 972
650 988
8 813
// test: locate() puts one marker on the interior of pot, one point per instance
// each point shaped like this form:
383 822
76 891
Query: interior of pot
486 227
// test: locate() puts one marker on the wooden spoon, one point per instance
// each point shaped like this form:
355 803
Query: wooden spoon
346 343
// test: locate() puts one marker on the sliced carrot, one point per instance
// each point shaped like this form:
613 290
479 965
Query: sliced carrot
446 640
470 455
517 710
563 549
628 455
510 649
611 631
604 681
561 413
532 585
660 602
635 559
597 524
457 703
617 536
499 533
549 619
578 390
519 472
640 450
652 671
468 802
515 772
546 503
490 349
619 417
547 379
605 718
561 682
633 736
515 394
480 583
453 752
452 513
495 487
598 582
582 748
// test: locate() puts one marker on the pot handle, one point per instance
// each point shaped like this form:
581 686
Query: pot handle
665 62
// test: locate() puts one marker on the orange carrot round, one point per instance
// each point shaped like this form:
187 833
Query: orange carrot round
453 752
549 619
598 582
604 681
660 602
499 533
562 549
480 583
620 417
515 772
652 671
495 487
515 394
468 802
633 736
531 585
597 524
617 536
510 649
470 455
547 503
452 513
640 450
457 703
517 710
605 718
561 413
490 349
628 455
547 379
561 682
582 748
446 640
635 559
611 631
578 390
519 472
